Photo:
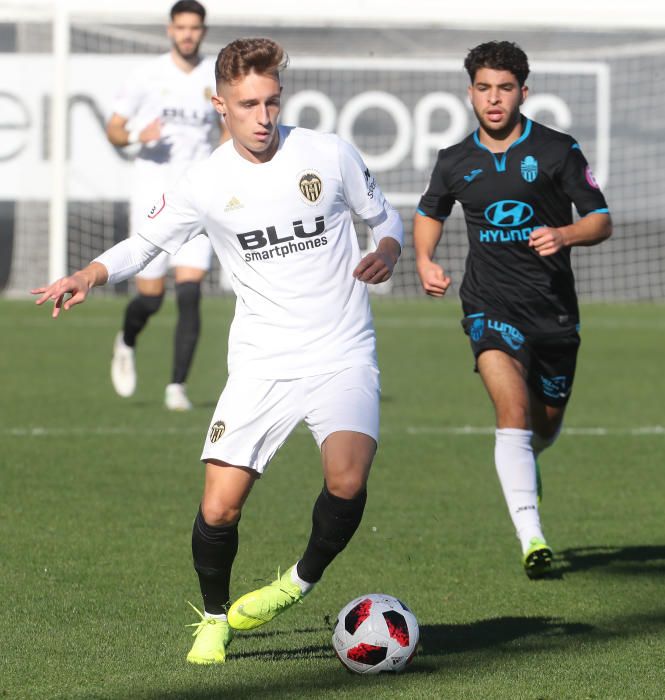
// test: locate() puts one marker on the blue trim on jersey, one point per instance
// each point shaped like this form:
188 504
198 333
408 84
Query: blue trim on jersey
575 146
598 211
500 163
482 313
422 213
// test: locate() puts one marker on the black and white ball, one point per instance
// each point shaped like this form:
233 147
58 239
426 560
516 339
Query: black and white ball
375 633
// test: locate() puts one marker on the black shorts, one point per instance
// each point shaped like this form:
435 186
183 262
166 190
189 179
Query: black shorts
549 360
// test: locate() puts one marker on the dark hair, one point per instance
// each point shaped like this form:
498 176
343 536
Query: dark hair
242 56
498 55
188 6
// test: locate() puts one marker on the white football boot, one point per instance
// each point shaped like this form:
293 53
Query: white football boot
123 369
175 398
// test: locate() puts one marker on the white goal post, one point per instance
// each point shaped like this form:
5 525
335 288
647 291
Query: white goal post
58 142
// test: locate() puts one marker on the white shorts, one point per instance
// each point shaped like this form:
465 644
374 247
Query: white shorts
196 253
254 417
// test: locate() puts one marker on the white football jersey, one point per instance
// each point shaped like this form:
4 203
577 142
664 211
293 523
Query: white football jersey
284 233
190 124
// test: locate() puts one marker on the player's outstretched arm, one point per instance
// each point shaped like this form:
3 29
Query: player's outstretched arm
76 285
426 236
589 230
122 261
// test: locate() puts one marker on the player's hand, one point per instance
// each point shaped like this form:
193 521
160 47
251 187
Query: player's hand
546 241
378 266
434 280
77 286
152 132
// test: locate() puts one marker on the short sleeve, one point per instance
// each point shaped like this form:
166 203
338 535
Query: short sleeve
436 202
579 183
361 191
129 98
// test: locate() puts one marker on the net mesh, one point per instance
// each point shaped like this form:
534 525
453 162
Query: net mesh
398 100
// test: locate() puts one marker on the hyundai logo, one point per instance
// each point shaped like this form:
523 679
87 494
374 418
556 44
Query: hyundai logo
509 213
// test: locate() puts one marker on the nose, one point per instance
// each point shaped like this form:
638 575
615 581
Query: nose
263 117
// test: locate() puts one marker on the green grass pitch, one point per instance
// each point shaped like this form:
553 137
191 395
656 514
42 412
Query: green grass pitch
97 497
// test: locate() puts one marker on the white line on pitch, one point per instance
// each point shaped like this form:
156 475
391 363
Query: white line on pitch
83 432
590 431
36 431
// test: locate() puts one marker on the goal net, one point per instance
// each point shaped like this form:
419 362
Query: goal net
394 94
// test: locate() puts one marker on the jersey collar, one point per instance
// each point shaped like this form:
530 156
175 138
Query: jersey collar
500 159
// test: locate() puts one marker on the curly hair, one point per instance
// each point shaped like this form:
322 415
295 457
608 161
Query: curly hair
242 56
498 55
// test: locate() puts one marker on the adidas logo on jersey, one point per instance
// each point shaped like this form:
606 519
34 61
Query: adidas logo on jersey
233 203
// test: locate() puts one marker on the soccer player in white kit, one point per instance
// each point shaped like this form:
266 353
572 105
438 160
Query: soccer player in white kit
277 204
165 108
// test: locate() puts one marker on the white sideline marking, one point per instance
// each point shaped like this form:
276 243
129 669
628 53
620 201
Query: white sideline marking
426 322
83 432
593 432
640 431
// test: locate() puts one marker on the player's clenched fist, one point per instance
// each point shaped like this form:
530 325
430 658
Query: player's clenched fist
433 279
546 240
377 267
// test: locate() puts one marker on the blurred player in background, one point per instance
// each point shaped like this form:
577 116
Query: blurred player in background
277 203
516 181
165 109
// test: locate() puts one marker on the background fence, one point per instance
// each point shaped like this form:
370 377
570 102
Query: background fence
397 92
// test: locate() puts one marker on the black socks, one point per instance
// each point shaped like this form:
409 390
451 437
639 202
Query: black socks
137 313
214 549
334 522
188 297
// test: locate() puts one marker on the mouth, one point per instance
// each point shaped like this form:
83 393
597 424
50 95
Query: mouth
494 115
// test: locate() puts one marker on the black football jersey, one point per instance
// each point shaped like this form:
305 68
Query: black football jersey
505 196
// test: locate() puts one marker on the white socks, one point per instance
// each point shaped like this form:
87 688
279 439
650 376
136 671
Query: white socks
305 586
210 616
516 467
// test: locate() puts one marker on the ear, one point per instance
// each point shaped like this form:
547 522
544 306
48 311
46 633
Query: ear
525 94
219 104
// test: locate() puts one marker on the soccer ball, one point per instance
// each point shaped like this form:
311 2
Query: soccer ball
375 633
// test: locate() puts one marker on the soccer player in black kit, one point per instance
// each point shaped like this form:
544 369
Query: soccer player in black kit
516 181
